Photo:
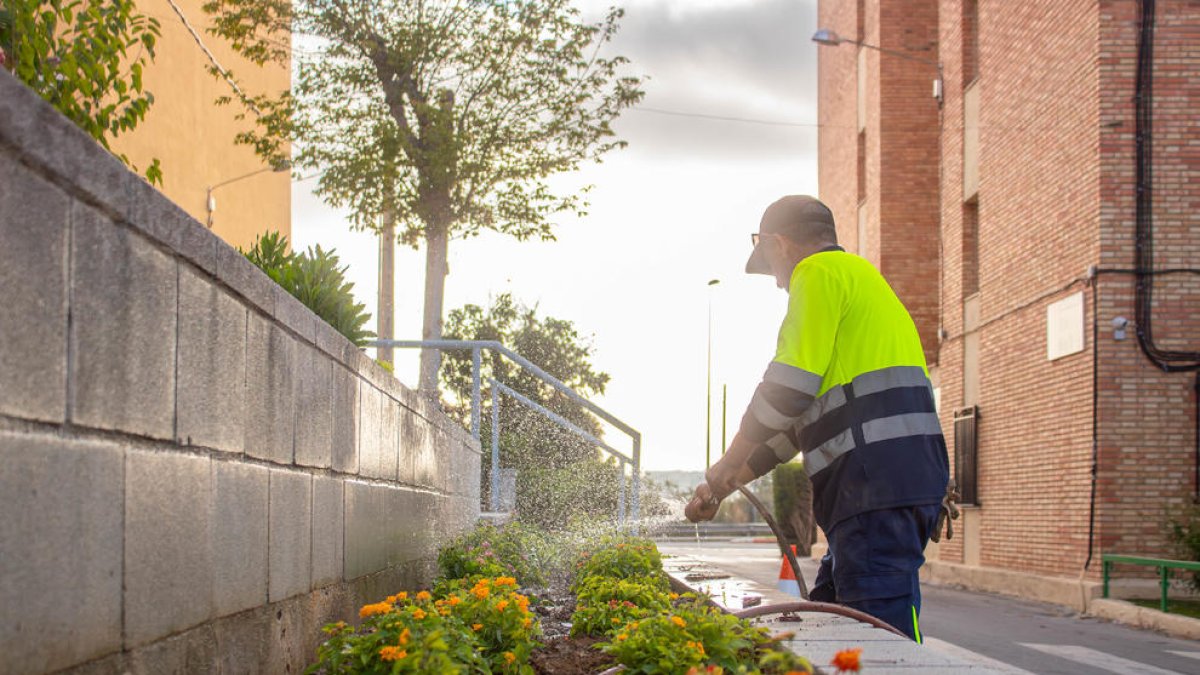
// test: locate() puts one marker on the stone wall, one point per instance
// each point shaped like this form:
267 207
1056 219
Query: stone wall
196 472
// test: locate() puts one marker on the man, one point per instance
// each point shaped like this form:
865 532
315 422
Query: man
849 388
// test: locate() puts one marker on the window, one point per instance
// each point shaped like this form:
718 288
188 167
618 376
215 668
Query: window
966 456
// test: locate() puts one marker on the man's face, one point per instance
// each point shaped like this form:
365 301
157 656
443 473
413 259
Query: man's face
779 254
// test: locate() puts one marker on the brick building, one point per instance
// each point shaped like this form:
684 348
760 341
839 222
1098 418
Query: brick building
1005 213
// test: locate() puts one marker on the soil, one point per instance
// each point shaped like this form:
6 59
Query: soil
562 654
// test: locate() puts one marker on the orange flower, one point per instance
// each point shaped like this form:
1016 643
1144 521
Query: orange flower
372 610
847 660
423 595
392 653
615 620
621 637
418 614
501 605
480 592
404 636
509 657
506 581
476 626
526 622
678 621
455 600
633 625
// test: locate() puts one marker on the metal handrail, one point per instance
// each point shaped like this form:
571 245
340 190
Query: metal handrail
1164 570
476 347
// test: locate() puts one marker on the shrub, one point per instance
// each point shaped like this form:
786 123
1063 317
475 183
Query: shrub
315 278
792 494
623 558
1183 529
691 636
516 550
605 604
501 622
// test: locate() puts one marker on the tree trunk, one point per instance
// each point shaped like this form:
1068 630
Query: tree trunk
437 245
387 283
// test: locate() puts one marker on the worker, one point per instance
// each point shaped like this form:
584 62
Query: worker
850 389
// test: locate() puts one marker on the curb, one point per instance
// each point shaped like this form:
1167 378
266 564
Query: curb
1128 613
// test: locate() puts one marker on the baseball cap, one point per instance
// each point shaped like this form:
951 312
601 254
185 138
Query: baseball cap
797 217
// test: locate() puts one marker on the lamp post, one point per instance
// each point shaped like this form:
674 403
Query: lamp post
708 392
211 202
829 38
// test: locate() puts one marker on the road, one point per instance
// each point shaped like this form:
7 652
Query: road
1016 636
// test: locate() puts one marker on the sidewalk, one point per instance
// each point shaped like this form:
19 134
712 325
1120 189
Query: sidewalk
818 636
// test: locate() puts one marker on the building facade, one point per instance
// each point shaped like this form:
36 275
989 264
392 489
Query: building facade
193 138
1006 213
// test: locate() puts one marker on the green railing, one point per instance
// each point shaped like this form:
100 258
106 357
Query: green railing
1164 570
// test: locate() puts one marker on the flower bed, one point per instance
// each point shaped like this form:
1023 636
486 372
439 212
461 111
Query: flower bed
612 607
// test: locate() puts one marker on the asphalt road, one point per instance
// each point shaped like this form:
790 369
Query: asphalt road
1017 636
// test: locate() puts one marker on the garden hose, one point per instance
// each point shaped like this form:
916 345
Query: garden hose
787 550
805 605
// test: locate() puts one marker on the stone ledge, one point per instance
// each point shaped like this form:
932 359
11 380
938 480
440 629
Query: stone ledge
1073 593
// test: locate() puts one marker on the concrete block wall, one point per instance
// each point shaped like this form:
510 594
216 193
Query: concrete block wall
196 473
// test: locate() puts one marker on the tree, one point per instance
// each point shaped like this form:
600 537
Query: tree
527 438
76 54
445 116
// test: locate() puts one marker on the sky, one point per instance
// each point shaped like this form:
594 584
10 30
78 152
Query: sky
668 214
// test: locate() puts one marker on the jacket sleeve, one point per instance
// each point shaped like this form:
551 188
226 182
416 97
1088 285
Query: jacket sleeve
793 379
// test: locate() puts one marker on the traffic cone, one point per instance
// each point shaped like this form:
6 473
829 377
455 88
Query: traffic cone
787 578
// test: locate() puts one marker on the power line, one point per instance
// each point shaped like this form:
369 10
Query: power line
723 118
212 58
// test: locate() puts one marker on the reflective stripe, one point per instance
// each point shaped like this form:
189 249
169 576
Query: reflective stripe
900 426
830 400
817 459
916 627
889 378
766 414
793 378
783 447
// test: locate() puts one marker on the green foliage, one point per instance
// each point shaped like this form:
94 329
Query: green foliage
789 481
605 604
516 549
621 557
1183 531
316 279
691 636
86 58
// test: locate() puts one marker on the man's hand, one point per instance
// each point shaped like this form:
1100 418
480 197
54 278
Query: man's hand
703 506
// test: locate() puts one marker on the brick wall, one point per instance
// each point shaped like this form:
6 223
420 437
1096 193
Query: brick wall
194 469
1055 196
1147 416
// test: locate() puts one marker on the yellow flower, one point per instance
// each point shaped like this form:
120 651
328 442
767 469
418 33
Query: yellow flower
423 595
418 614
392 653
678 621
372 610
509 657
501 605
673 596
476 626
455 600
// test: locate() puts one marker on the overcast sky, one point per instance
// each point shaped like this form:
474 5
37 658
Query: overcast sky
669 213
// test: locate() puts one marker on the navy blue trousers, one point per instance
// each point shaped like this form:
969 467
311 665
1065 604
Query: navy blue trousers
872 564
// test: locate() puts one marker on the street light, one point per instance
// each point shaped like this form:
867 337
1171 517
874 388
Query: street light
211 202
708 394
828 38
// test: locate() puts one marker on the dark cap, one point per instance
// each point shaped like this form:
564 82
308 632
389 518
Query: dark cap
799 218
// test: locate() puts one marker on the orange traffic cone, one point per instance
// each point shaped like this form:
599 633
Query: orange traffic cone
787 578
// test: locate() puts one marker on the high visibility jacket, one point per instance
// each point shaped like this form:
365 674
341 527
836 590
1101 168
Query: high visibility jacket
850 389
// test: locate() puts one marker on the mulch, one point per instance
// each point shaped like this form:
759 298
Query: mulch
561 654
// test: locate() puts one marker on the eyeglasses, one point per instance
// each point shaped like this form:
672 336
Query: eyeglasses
756 237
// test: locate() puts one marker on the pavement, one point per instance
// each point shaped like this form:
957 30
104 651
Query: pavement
965 632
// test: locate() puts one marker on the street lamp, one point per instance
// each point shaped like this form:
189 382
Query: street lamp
708 394
828 38
211 202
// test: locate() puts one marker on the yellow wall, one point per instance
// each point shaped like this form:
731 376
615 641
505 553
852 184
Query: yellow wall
194 139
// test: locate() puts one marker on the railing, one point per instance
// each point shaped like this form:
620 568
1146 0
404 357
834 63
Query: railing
476 347
1164 570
